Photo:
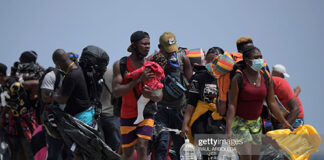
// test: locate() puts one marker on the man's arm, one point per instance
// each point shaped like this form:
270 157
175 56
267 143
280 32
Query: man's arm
294 110
274 108
186 119
46 95
59 98
120 89
297 90
63 95
32 86
154 95
187 67
47 87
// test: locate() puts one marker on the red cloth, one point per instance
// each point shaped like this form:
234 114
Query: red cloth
284 93
301 114
250 99
26 122
154 82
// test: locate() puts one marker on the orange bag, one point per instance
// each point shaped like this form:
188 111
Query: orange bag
237 56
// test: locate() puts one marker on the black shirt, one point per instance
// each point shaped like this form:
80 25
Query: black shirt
203 87
74 86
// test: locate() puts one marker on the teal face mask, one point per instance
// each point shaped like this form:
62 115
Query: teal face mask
257 64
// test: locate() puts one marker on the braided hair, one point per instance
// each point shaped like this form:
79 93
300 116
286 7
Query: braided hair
216 50
249 50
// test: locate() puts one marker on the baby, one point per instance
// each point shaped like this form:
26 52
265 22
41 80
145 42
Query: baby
154 83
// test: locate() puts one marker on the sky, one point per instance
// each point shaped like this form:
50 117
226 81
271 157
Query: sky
287 32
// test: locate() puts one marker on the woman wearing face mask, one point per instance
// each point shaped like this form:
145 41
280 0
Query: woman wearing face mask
249 88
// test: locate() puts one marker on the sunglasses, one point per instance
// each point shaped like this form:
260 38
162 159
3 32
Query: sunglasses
73 56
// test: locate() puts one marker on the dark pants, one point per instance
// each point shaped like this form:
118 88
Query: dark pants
55 148
170 118
111 129
20 147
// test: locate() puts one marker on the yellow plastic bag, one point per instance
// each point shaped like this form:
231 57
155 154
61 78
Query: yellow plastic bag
300 143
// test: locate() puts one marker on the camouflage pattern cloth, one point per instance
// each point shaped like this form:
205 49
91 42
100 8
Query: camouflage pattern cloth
247 130
27 71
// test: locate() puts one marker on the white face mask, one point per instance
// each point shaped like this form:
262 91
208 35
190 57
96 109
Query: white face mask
257 64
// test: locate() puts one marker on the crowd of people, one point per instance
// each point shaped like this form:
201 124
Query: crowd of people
217 92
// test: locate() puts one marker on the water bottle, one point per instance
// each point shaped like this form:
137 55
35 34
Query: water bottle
227 153
198 153
188 151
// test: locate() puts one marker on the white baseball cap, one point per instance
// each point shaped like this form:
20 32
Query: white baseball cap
281 69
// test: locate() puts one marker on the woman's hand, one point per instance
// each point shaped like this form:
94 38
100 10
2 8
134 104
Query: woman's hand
229 132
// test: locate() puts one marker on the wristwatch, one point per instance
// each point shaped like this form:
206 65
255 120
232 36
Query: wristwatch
51 94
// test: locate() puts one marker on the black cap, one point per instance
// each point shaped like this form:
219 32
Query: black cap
28 57
3 69
136 36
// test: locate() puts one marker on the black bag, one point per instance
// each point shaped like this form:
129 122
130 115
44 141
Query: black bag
86 139
205 124
150 108
173 87
93 62
215 126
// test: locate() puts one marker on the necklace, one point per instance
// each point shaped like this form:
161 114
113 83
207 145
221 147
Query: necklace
254 83
68 69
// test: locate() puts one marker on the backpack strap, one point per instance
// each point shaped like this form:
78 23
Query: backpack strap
106 86
123 71
265 73
58 77
267 76
239 77
123 66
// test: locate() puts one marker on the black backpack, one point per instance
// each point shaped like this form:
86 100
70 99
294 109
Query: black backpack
93 62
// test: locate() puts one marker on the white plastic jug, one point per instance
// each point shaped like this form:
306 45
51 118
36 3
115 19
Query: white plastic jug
198 153
188 151
227 153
